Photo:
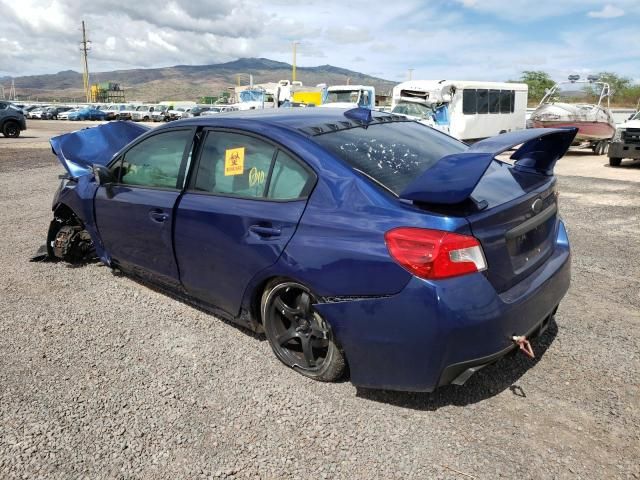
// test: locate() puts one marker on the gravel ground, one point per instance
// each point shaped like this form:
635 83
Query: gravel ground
101 377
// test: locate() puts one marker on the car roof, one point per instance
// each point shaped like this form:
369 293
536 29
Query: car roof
310 121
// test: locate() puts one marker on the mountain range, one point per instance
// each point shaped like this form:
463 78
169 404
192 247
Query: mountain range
186 82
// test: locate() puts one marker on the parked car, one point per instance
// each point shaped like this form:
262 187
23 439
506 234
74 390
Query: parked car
160 114
12 120
177 113
112 111
348 237
126 112
218 109
65 115
52 113
87 113
625 142
143 113
27 108
196 111
36 113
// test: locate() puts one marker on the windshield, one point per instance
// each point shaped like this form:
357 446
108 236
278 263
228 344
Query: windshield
414 109
394 153
251 96
343 96
636 116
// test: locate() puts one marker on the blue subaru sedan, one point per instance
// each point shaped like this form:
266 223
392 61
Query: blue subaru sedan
356 241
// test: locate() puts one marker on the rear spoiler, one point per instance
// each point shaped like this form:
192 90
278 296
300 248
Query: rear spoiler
453 178
79 150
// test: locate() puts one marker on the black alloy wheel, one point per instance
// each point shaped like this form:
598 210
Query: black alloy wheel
299 336
11 129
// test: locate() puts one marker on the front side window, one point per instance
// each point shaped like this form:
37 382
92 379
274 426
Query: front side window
156 161
234 164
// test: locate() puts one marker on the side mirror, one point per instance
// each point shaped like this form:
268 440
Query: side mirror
102 175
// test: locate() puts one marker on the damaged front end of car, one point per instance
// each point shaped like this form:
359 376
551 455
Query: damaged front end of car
73 235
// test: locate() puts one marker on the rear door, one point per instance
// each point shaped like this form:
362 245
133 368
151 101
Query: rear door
135 215
242 207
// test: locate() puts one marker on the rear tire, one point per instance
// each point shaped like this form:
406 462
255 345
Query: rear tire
615 161
298 335
11 129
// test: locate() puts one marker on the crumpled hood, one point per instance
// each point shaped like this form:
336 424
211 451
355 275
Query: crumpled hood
79 150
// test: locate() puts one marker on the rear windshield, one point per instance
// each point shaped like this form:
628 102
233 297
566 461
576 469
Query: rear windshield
393 154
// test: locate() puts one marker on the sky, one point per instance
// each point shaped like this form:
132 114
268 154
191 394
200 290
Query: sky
438 39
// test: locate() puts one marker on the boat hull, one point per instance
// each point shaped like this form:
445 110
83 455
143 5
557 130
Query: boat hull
586 130
594 123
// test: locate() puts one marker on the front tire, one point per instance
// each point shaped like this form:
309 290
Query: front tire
297 333
11 129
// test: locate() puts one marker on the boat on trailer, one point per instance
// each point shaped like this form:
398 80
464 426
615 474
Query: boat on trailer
583 104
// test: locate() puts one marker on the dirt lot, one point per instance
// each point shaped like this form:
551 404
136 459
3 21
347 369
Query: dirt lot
101 377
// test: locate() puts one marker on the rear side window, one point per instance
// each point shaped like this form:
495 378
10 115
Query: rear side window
393 154
234 164
289 179
246 166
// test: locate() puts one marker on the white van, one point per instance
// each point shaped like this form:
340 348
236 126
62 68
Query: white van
466 110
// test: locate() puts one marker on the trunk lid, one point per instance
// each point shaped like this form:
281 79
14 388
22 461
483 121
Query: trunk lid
518 225
511 208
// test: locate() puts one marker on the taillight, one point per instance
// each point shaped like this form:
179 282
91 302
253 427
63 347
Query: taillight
434 254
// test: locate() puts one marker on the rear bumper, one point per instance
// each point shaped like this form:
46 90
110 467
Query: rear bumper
431 333
624 150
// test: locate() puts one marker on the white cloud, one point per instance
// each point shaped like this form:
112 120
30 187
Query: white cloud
608 11
435 38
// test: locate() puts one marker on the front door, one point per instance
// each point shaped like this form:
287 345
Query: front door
242 208
134 216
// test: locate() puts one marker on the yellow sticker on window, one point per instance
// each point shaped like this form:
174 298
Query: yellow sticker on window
234 161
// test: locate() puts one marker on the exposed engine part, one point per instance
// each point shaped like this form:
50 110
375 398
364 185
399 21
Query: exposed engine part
72 243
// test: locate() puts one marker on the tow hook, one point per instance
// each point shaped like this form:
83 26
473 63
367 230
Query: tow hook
524 345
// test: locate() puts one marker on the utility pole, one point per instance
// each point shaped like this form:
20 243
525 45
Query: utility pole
12 91
293 65
2 92
85 46
411 73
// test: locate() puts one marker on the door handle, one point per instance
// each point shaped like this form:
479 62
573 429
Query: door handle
158 215
265 231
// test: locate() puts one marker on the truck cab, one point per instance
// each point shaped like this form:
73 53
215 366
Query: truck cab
350 96
626 141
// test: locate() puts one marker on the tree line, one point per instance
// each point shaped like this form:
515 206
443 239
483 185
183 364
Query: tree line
625 93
